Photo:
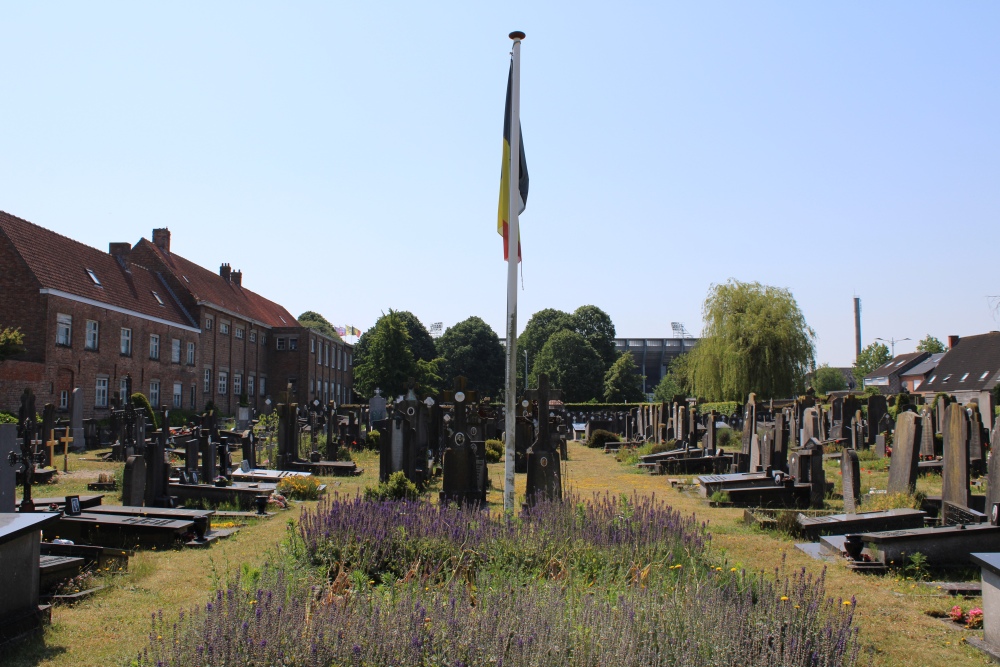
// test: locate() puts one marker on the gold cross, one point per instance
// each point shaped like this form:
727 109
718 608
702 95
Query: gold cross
51 444
65 440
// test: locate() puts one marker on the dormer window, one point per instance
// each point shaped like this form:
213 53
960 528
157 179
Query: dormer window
282 319
157 297
946 377
983 376
963 377
93 276
931 378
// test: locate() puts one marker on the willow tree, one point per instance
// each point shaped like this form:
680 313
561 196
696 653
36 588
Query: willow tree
755 340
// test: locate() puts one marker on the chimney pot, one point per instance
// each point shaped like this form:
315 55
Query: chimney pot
225 270
237 277
119 249
952 341
161 239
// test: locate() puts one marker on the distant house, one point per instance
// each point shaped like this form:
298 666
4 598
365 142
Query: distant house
969 370
888 376
912 379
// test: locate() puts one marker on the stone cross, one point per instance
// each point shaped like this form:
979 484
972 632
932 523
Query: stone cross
461 398
542 395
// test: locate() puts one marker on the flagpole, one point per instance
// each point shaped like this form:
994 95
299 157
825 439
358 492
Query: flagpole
513 256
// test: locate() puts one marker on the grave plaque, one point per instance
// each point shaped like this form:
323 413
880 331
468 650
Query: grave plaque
850 470
955 474
8 473
134 482
905 454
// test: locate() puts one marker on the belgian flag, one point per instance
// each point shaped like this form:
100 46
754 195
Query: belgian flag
503 214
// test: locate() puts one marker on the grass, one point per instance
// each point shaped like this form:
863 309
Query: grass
114 625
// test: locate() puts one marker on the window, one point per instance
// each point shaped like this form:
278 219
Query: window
93 331
326 391
931 378
223 382
293 343
93 277
964 377
983 376
280 343
263 339
326 353
946 377
64 399
319 357
178 395
126 342
224 328
253 336
64 329
240 332
154 346
208 380
123 389
157 297
237 384
192 397
208 324
263 386
350 359
190 354
101 396
250 386
154 394
175 351
312 346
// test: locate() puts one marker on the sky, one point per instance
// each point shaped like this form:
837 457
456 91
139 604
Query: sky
346 156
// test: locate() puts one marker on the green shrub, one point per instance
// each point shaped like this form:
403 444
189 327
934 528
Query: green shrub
725 437
494 451
180 417
599 438
299 488
7 418
139 400
373 438
343 454
720 497
397 488
728 408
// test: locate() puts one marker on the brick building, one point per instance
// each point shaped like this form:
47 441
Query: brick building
186 334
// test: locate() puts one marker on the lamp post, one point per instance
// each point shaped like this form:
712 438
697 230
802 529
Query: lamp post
892 342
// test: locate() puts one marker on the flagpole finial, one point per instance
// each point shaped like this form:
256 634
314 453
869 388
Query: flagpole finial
516 35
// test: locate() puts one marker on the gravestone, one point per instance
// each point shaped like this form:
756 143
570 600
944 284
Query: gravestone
880 446
755 458
941 406
992 487
927 434
460 478
8 473
76 421
376 408
681 426
157 469
905 454
249 446
207 448
749 423
955 475
288 436
27 425
134 482
837 417
850 470
977 458
779 456
810 424
877 408
544 477
817 479
708 440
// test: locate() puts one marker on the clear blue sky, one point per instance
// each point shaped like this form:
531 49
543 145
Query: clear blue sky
346 156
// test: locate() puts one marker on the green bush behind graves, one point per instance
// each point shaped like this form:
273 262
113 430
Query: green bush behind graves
600 437
398 487
728 408
140 401
494 450
7 418
372 439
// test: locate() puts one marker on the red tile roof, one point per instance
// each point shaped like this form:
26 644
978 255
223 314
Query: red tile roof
60 263
211 288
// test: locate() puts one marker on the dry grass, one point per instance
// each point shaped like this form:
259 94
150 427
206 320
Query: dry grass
110 627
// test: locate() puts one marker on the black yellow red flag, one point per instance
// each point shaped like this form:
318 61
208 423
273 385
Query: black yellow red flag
503 213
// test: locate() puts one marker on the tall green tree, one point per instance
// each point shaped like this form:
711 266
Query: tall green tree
388 362
572 365
420 343
674 382
755 340
827 379
471 348
930 344
11 342
536 333
313 320
596 326
870 358
622 382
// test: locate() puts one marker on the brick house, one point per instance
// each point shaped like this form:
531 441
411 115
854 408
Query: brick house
186 334
968 371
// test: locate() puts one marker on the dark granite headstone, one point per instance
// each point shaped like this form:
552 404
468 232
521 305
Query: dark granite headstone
905 454
749 424
8 474
708 440
779 455
850 470
877 408
977 457
955 475
134 482
376 408
817 479
544 475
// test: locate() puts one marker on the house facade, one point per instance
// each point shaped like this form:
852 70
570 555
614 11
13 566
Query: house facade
185 334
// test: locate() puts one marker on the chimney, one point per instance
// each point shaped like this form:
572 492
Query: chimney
952 341
238 278
225 270
119 251
161 239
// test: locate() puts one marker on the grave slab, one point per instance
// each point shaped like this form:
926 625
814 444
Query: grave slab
842 524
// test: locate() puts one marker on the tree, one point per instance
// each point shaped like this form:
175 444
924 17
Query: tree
388 361
572 365
596 326
622 382
755 340
674 382
471 348
870 358
930 344
11 343
536 333
313 320
827 379
420 343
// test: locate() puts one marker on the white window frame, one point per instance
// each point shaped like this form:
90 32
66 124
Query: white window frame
253 336
64 399
93 336
223 328
154 346
237 384
208 381
312 345
240 332
178 395
122 388
64 329
154 394
126 342
222 385
250 386
208 324
101 392
279 344
263 386
190 354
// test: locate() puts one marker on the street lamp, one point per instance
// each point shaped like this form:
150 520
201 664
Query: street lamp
892 342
